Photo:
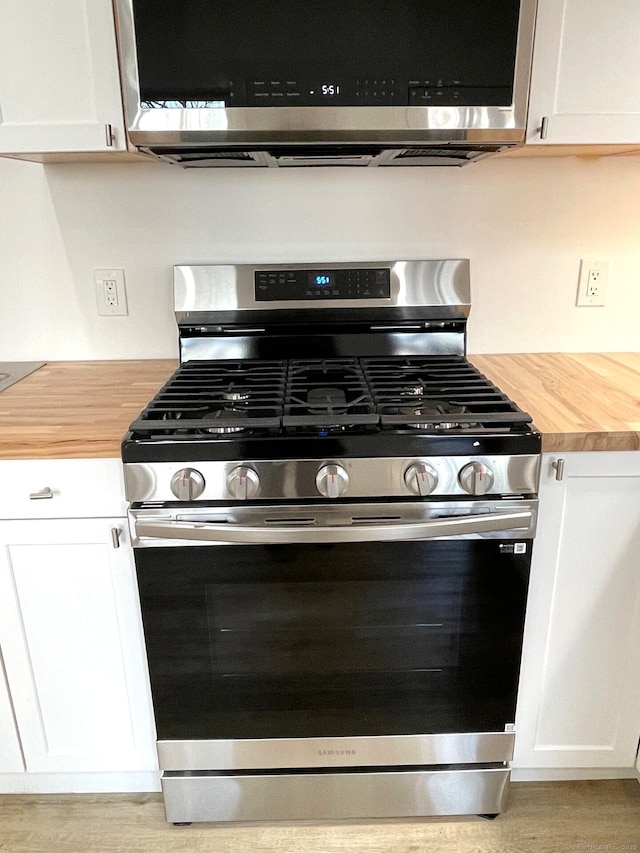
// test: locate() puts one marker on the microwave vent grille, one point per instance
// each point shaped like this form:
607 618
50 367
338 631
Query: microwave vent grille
287 156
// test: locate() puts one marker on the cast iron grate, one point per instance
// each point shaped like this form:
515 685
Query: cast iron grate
311 395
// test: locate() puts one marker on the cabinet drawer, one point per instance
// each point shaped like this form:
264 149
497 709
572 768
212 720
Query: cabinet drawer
61 488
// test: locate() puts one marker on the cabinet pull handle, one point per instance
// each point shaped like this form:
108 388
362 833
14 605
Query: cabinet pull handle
559 466
43 495
115 537
108 135
544 127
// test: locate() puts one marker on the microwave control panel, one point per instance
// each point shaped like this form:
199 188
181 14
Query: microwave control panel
366 91
370 91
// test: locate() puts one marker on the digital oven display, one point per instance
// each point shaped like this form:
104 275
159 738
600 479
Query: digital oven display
321 279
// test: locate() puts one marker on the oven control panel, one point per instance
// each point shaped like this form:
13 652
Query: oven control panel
433 477
293 285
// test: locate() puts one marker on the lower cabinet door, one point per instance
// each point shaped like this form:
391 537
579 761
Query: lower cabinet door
72 644
10 753
579 697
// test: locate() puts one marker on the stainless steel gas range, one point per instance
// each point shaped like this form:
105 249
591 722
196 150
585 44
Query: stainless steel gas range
332 512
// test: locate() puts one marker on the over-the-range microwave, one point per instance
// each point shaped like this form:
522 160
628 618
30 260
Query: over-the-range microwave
325 82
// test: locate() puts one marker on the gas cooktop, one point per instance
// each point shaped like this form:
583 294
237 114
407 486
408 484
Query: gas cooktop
329 406
317 397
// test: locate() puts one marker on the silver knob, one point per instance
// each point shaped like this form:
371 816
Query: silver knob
332 481
476 478
187 484
421 478
243 483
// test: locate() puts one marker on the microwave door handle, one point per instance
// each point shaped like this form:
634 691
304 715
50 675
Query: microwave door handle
283 535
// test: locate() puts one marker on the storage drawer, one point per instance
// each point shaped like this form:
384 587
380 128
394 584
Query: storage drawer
61 488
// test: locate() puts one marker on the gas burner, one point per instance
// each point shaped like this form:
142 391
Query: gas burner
327 400
433 426
412 391
431 409
235 395
230 414
327 395
443 425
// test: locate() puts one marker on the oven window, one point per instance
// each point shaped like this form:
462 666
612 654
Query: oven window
332 640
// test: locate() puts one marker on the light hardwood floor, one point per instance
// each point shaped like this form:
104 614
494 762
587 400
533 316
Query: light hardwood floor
550 817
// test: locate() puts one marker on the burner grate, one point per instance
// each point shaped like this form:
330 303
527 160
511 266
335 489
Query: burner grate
317 396
437 391
327 394
217 397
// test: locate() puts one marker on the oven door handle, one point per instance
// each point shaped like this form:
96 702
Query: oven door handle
215 532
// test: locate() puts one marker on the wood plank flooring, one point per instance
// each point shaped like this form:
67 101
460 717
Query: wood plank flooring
542 817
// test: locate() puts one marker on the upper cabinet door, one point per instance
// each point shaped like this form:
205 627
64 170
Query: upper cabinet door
586 72
59 83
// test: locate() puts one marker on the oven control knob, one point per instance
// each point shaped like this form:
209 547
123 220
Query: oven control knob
332 481
187 484
421 478
243 483
476 478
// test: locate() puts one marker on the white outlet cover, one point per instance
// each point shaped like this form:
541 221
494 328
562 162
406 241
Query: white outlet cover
119 309
584 298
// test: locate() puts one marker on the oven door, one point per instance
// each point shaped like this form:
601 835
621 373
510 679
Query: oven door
359 635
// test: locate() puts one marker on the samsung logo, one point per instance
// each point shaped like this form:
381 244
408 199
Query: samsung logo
337 752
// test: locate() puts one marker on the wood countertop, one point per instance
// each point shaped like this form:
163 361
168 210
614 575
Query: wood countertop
578 401
77 409
82 409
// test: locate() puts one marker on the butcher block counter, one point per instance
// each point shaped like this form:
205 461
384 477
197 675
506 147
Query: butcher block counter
82 409
581 401
77 409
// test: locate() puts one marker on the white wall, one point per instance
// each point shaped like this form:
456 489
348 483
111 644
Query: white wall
524 223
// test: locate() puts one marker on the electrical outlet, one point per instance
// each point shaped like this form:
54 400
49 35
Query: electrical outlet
592 284
111 294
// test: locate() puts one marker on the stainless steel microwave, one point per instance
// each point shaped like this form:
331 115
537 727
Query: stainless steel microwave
325 82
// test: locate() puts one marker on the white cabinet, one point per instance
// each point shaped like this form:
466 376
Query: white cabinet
579 698
10 752
71 645
586 68
71 634
62 488
59 82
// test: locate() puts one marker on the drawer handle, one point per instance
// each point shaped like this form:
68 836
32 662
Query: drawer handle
544 127
43 495
559 467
